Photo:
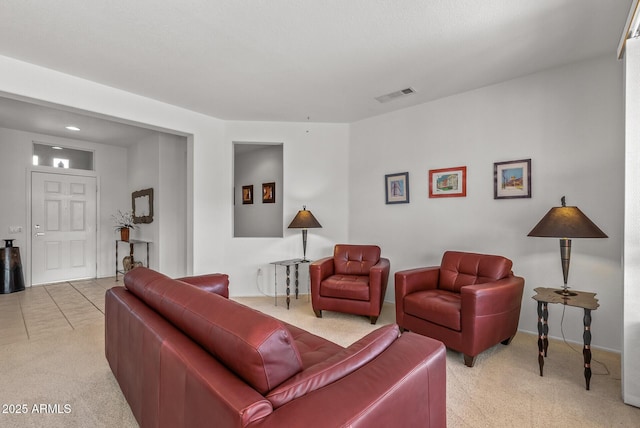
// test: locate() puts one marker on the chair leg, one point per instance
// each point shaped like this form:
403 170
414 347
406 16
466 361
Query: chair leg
373 320
469 361
507 341
318 313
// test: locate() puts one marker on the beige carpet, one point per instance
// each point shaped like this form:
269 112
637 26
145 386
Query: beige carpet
67 372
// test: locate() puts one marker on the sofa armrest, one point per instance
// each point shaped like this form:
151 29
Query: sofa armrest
334 367
406 382
217 283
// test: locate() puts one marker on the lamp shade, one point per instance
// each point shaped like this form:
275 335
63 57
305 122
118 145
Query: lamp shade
566 222
304 220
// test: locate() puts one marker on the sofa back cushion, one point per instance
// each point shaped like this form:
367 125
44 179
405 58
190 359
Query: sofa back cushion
336 366
355 259
256 347
458 269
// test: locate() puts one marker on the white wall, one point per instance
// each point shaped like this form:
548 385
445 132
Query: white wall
315 159
631 323
171 206
568 120
207 160
256 167
15 162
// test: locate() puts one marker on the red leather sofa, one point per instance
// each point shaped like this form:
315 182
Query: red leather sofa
353 281
470 302
185 356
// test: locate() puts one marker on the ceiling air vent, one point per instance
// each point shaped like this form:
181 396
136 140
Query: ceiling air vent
394 95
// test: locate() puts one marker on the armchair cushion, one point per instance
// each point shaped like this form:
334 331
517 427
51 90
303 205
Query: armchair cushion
459 269
437 306
355 259
354 287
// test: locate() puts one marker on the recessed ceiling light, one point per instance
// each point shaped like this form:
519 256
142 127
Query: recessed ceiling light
56 148
72 128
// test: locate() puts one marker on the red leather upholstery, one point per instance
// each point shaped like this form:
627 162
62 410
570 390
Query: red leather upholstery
224 328
354 281
470 302
186 357
217 283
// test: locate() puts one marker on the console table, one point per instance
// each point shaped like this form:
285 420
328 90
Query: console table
287 264
578 299
132 243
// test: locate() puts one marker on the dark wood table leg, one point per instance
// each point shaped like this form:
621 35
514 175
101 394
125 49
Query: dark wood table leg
116 261
288 282
541 337
297 281
543 330
586 351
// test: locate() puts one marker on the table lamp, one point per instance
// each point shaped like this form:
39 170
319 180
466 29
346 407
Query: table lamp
566 222
304 220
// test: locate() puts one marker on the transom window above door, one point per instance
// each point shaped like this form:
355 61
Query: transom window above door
61 157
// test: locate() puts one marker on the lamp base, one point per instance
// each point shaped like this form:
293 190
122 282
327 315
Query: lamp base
565 292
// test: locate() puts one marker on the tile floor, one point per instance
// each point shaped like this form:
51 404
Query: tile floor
42 310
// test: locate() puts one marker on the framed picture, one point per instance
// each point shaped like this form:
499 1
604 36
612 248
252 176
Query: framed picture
396 188
448 182
512 179
247 194
268 193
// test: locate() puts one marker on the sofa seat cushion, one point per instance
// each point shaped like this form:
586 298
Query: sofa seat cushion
256 347
352 287
437 306
335 367
313 349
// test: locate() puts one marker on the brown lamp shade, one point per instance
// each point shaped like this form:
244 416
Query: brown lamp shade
566 222
304 220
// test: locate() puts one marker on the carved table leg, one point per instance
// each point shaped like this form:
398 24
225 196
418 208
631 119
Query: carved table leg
543 331
296 281
586 351
288 282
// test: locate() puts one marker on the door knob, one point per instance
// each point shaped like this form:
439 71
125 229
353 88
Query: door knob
40 234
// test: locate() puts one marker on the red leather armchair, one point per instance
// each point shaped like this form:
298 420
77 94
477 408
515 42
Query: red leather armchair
354 281
470 302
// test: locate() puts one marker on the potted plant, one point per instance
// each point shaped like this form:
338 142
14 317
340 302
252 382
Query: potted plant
124 223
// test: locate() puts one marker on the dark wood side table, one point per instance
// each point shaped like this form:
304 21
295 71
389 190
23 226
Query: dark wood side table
579 299
132 243
287 264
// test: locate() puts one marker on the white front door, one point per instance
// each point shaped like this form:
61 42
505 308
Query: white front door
63 230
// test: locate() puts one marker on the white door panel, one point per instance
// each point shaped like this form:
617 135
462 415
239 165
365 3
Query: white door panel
63 212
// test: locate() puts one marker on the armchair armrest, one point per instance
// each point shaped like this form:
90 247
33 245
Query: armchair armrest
378 278
412 280
490 312
321 269
492 297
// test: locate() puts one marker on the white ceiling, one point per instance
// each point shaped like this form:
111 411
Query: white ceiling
299 60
